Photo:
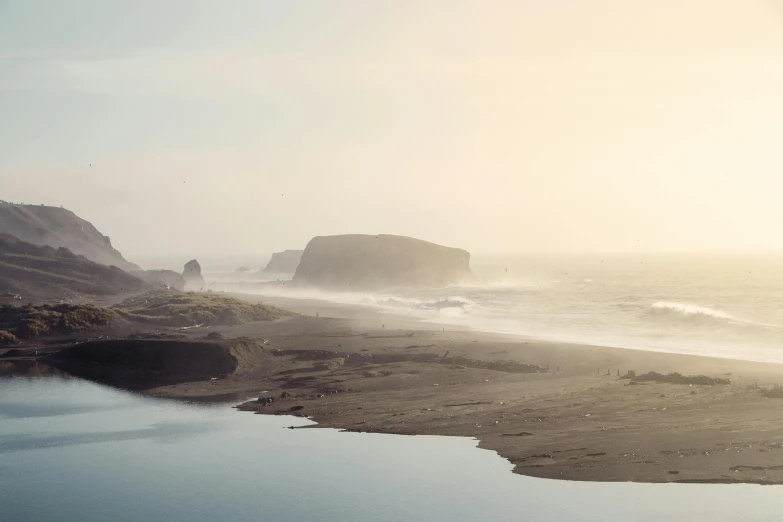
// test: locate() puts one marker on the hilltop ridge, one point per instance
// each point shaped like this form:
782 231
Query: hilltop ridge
59 227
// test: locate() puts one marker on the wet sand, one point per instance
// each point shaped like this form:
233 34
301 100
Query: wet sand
554 410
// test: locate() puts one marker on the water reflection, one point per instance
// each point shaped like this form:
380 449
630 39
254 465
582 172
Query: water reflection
168 432
88 453
22 410
29 368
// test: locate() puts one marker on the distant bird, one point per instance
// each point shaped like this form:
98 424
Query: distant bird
90 164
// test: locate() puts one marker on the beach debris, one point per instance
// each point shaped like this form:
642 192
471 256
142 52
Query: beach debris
776 392
675 378
191 327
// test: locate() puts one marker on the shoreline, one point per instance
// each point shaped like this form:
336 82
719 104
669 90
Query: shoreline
554 410
310 306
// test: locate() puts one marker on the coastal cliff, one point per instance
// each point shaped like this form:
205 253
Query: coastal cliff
284 262
364 262
58 227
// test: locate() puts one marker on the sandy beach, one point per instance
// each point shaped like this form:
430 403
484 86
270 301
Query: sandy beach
554 410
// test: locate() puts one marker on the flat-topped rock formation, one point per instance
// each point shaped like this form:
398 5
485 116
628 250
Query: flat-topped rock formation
284 262
58 227
364 262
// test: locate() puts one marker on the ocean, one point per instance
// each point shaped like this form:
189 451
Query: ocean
718 305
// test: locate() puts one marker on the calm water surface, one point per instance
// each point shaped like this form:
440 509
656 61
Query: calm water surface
71 450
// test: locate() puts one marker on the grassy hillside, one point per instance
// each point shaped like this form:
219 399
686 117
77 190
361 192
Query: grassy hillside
154 309
172 308
37 273
29 321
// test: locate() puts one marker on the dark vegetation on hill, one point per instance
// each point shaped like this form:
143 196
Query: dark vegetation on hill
675 378
166 358
144 363
157 309
7 338
30 321
58 227
46 273
180 309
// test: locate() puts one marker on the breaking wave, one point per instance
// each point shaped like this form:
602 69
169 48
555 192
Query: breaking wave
453 302
689 310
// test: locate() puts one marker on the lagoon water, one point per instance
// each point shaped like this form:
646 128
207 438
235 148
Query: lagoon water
72 450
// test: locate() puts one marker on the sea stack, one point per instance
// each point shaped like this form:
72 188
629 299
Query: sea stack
194 281
363 262
284 262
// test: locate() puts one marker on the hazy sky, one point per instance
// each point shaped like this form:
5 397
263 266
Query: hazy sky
501 126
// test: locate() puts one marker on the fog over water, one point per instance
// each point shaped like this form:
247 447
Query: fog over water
720 305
